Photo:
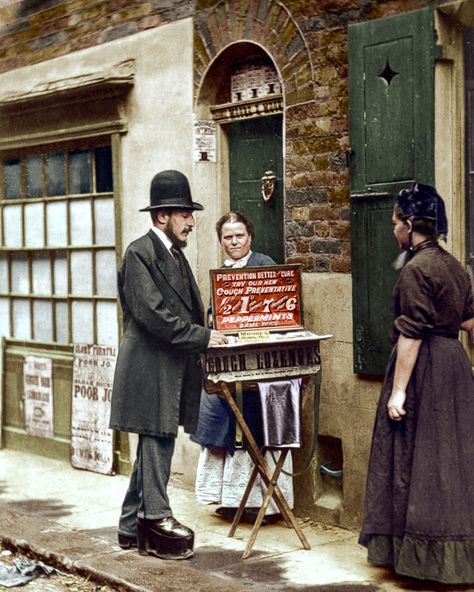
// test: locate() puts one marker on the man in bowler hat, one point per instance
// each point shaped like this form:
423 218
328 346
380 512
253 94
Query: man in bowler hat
157 382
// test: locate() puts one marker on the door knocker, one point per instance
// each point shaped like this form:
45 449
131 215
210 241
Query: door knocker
268 186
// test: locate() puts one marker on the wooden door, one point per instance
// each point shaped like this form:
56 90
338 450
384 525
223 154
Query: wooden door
391 96
255 146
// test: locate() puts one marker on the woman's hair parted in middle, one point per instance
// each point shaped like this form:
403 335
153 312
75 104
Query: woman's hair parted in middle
235 217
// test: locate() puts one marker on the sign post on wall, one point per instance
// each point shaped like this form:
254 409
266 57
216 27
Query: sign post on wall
38 394
205 141
91 438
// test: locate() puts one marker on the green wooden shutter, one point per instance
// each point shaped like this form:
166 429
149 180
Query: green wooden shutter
469 111
391 98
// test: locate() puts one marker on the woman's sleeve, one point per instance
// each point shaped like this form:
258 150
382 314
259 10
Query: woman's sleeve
417 314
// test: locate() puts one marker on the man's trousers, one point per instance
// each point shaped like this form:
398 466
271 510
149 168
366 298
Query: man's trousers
146 496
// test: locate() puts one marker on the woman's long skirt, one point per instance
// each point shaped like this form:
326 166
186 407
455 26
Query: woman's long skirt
419 511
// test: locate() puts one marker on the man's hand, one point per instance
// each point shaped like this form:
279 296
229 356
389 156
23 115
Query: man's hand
217 339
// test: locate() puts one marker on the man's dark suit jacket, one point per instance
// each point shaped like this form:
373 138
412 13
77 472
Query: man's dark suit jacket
157 380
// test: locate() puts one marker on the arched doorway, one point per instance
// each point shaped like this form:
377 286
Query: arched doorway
241 92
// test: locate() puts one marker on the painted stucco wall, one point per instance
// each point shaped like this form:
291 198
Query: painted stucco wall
159 117
348 403
158 110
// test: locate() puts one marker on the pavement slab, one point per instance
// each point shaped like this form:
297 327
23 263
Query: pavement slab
67 517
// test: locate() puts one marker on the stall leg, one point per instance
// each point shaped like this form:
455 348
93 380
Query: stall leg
263 469
243 502
266 501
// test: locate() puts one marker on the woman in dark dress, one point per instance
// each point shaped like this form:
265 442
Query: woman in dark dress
420 486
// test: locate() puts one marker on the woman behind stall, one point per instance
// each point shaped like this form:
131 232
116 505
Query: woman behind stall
224 471
420 487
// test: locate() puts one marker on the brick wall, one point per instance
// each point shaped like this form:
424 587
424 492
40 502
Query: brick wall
38 30
318 204
307 39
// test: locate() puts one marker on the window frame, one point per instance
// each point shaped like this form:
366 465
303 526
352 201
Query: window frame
53 252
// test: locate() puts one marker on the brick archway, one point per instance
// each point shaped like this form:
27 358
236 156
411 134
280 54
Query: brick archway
269 25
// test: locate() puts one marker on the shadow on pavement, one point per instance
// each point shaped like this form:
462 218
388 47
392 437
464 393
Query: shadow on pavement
255 574
49 508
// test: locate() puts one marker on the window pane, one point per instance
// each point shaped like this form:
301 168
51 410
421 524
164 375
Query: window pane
12 184
104 222
107 327
60 275
34 225
4 317
34 172
43 320
82 328
103 169
106 275
20 279
56 178
80 173
80 216
62 316
41 274
12 226
81 273
21 319
3 273
56 221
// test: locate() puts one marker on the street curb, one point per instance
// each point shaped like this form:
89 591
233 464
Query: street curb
79 553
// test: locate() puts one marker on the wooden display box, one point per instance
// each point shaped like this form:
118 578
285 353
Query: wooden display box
260 309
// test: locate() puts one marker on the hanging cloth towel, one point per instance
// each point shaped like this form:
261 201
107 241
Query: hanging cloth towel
281 414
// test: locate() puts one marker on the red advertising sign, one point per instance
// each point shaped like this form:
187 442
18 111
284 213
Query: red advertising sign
257 298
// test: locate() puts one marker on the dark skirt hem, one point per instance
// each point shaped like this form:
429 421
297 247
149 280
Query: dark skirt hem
445 561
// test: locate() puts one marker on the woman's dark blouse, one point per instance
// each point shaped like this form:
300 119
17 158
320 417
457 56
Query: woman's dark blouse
433 295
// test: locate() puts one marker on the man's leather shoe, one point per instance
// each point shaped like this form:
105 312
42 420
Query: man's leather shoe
126 541
165 538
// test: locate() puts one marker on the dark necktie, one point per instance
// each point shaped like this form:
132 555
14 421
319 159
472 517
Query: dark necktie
178 257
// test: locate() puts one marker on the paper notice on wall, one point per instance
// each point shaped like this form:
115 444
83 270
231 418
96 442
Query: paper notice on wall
205 141
91 438
38 391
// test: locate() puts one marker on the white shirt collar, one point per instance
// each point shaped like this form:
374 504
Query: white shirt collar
162 236
238 262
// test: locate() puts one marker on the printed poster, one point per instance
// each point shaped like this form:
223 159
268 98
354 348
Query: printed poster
205 141
91 438
257 298
38 392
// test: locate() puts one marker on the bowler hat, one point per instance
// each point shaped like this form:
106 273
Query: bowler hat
170 190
